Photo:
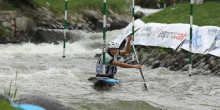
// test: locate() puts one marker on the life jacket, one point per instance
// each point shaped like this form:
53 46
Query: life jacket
110 70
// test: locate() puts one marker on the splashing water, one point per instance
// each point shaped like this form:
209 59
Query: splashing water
40 69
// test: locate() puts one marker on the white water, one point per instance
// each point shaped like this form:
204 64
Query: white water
146 11
41 69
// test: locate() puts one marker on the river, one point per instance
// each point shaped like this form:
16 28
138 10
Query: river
40 69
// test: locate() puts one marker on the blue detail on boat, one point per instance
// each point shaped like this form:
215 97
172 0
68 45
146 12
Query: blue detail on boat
110 80
27 107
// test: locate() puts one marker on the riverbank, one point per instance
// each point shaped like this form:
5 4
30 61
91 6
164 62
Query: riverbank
175 60
20 19
205 14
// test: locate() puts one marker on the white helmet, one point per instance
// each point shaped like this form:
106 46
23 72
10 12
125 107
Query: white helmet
113 44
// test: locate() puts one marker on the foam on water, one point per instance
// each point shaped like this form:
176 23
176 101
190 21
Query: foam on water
40 69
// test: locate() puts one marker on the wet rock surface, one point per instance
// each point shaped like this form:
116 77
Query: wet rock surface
44 101
155 57
21 25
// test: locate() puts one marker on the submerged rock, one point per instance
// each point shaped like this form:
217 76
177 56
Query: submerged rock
25 24
144 57
118 24
212 64
40 35
156 64
139 14
162 55
43 101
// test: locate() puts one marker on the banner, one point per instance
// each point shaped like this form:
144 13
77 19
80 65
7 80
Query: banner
128 30
205 40
202 39
215 47
163 35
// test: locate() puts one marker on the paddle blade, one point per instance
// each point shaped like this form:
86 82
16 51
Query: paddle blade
145 86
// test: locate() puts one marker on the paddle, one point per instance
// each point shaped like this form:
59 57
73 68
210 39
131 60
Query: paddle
134 32
140 69
133 52
145 85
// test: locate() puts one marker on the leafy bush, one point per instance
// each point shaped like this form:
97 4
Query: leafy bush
18 3
58 6
4 34
6 6
162 49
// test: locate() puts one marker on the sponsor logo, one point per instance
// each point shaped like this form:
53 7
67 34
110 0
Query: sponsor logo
158 30
172 35
197 39
213 30
180 36
144 32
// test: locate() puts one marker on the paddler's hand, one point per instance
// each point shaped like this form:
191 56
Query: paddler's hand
138 66
130 37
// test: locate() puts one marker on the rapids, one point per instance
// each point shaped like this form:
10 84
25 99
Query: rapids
40 69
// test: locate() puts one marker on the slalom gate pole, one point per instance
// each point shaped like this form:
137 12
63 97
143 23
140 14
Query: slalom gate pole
158 3
165 3
64 40
104 37
133 30
190 43
133 48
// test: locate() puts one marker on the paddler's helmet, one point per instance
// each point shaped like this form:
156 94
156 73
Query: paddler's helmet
113 44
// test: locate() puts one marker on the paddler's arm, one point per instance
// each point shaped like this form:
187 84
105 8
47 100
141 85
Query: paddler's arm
128 47
124 65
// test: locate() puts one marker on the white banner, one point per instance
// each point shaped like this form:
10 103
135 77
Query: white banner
205 40
128 30
215 47
163 35
202 39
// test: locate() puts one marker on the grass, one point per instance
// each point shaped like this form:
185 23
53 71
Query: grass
10 93
162 49
203 14
6 106
6 6
4 33
58 6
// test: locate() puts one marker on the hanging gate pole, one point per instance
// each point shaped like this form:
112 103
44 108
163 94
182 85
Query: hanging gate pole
165 4
158 3
133 30
64 40
104 37
190 43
